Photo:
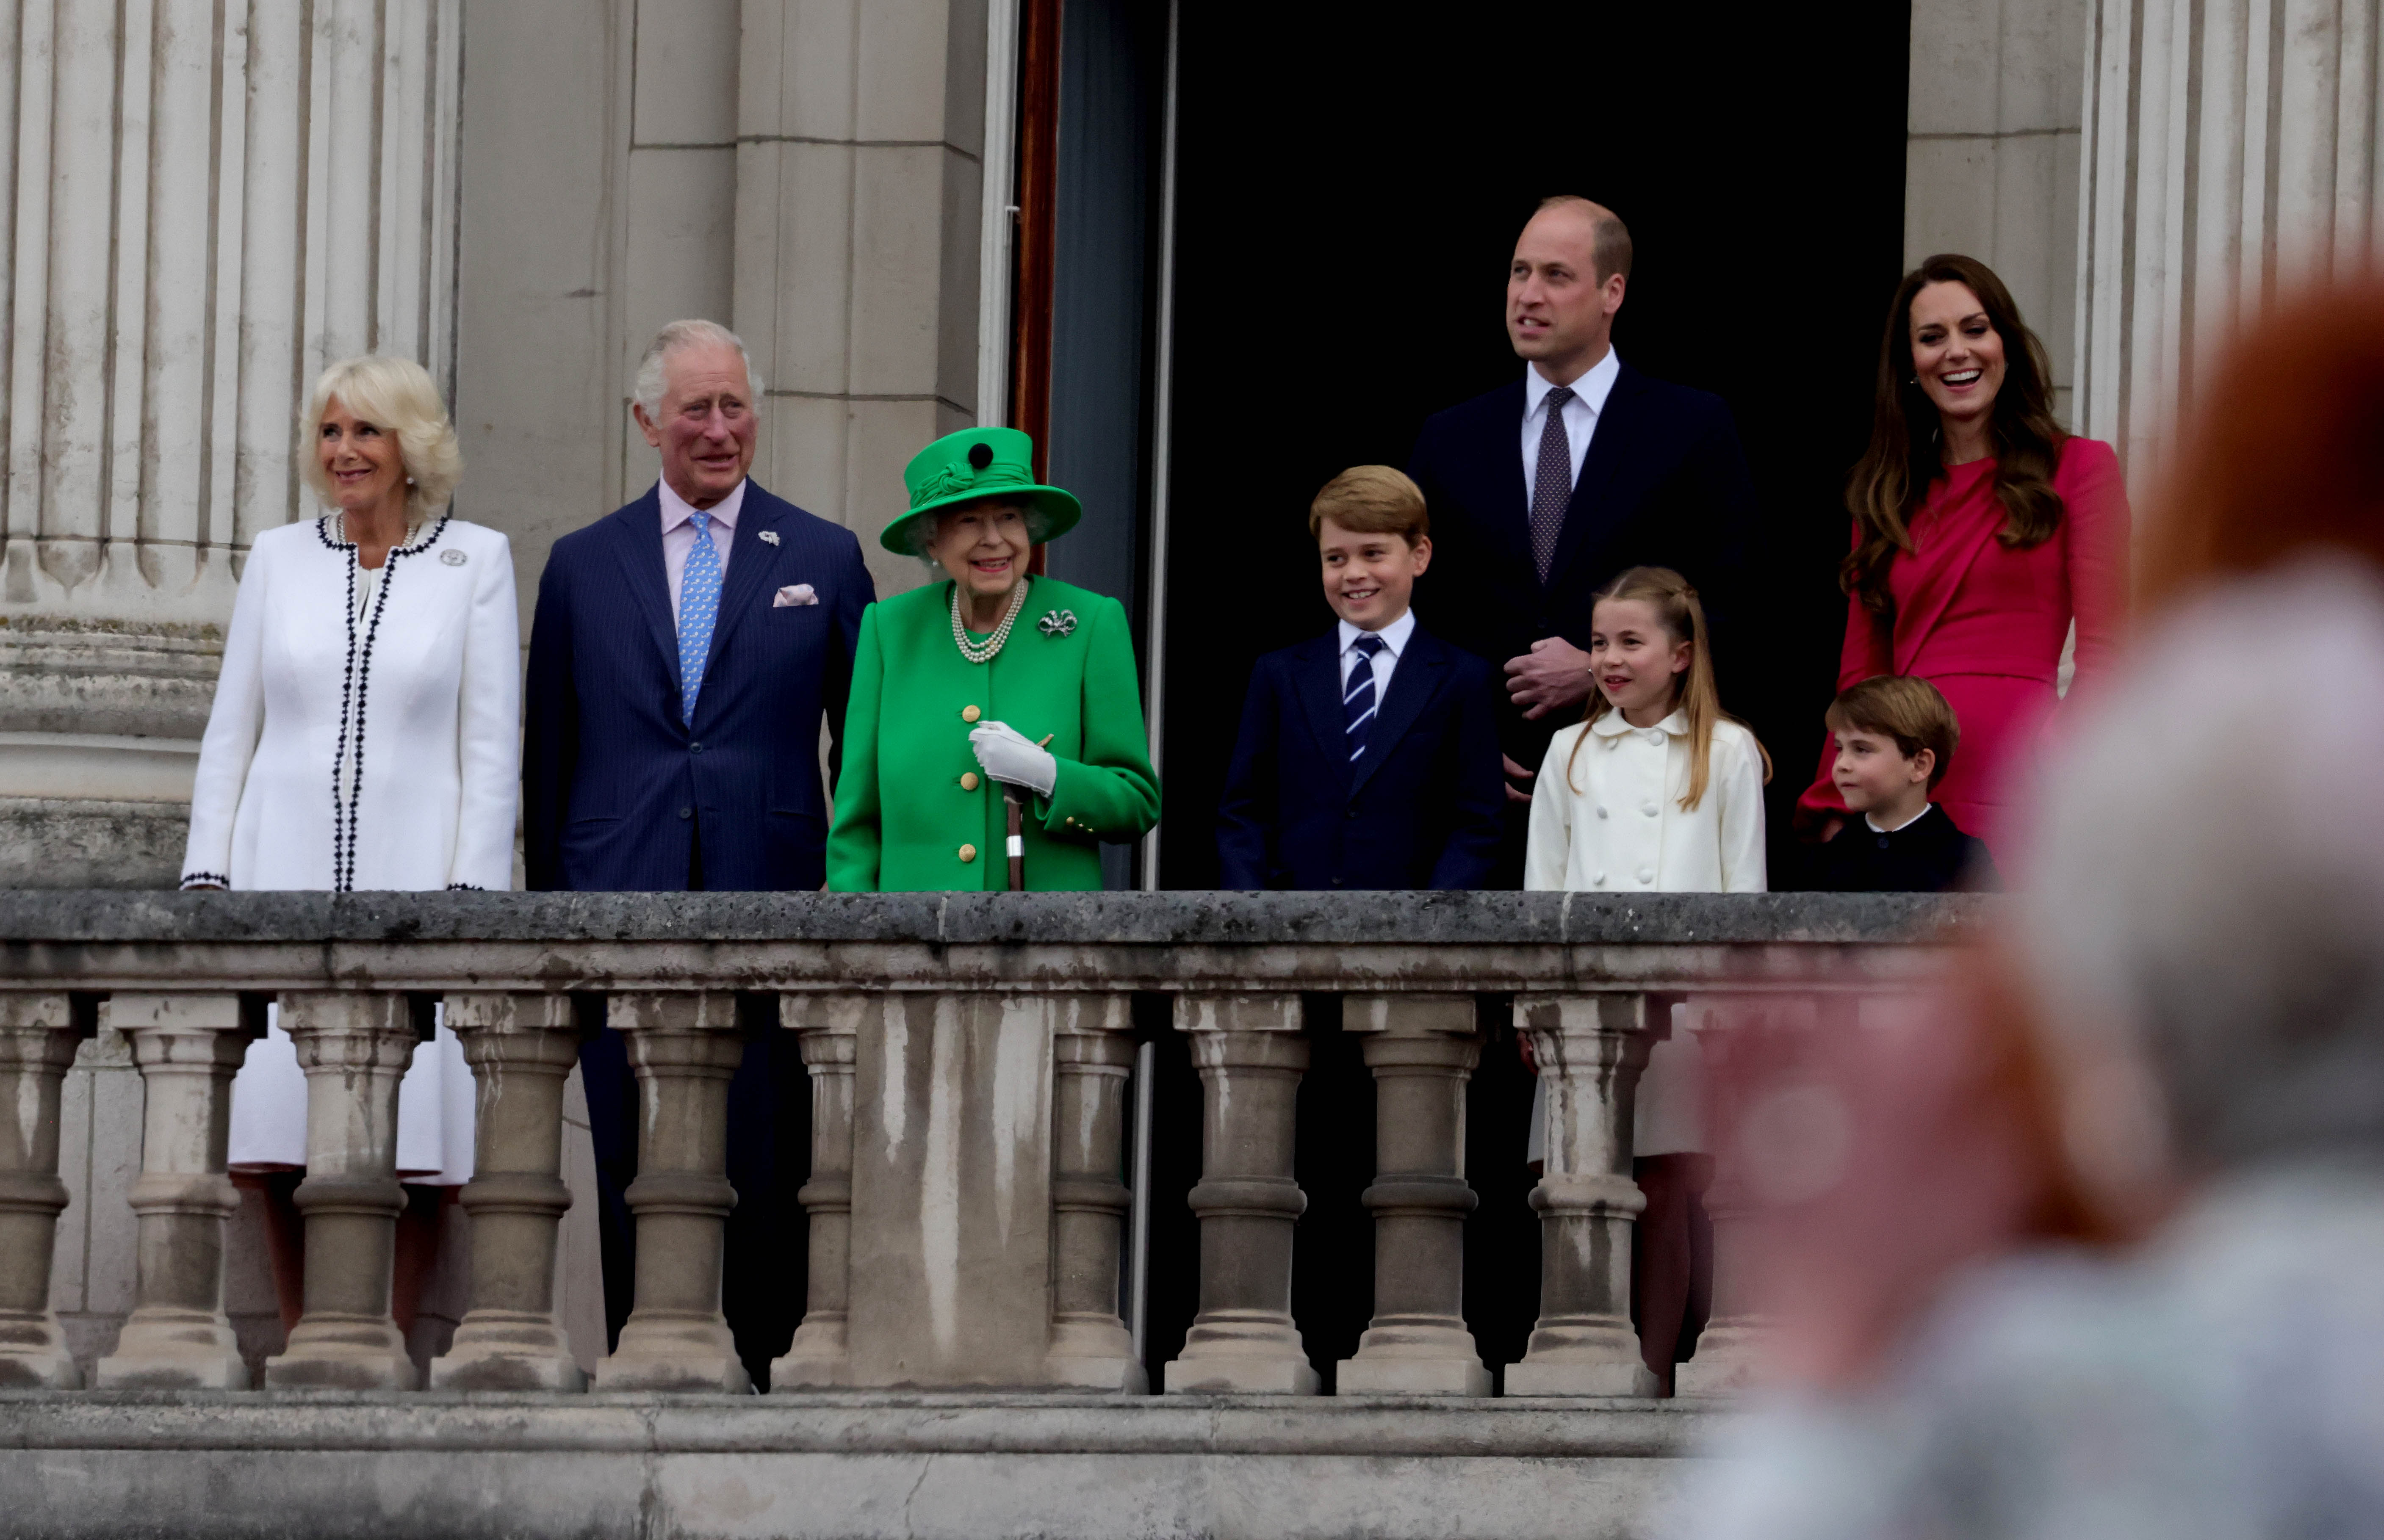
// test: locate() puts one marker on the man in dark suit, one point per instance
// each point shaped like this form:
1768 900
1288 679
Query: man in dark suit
1545 489
1367 757
685 651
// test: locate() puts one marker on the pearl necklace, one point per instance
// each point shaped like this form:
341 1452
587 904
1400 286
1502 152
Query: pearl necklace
984 652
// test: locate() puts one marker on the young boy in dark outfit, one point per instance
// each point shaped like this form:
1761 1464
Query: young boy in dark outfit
1369 757
1895 741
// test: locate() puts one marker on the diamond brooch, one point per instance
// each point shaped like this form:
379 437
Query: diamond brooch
1058 623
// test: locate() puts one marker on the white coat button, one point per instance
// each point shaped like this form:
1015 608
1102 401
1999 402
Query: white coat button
1647 873
1599 879
1653 735
1649 809
1601 813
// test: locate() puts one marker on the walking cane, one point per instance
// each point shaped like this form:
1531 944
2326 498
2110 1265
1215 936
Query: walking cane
1015 811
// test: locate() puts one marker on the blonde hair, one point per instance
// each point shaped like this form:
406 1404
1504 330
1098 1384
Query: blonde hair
1678 611
1906 709
1371 500
396 396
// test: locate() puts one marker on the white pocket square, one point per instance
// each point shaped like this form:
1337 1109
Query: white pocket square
794 593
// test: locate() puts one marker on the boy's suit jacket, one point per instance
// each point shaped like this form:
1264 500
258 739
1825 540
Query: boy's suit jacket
1420 810
616 788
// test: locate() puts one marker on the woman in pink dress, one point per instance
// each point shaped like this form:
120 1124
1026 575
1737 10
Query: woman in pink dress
1983 530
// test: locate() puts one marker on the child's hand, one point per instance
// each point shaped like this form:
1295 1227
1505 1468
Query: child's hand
1516 777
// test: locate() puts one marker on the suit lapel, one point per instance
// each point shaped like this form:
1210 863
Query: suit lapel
1413 683
638 545
1510 510
749 568
1318 678
1608 445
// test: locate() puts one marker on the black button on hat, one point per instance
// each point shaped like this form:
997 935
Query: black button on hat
980 455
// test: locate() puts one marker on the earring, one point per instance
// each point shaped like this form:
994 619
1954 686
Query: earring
409 481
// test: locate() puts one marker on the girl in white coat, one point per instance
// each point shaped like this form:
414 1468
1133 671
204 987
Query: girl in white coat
364 736
1657 791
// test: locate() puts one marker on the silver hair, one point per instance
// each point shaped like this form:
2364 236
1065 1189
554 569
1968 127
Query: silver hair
647 387
2208 874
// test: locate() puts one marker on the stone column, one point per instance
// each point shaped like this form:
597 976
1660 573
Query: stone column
1092 1052
188 1047
1591 1049
1423 1050
354 1049
2231 155
1250 1056
828 1027
684 1048
521 1047
37 1042
209 202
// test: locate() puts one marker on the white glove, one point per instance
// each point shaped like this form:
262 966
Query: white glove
1008 755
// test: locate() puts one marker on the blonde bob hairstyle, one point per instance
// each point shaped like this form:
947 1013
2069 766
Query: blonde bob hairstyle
396 396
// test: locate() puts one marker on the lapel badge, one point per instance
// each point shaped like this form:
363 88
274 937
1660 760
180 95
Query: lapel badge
451 557
768 537
1058 623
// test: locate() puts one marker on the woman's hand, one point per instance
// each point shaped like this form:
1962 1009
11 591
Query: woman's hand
1009 756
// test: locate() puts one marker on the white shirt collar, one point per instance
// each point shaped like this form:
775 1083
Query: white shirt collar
1394 636
1878 827
677 509
1612 726
1592 389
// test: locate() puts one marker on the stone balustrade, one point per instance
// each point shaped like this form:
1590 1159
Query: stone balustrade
969 1057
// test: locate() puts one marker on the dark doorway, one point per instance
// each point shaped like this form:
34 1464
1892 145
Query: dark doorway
1351 180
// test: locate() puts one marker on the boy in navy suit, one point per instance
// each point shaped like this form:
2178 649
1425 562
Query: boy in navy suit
1896 737
1368 757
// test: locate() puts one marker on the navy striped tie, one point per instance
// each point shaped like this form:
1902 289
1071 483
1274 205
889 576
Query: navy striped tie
1357 695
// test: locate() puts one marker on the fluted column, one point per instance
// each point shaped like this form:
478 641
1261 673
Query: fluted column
1250 1056
521 1048
1423 1050
188 1047
37 1042
1590 1049
684 1048
1092 1052
354 1049
207 203
828 1027
2231 155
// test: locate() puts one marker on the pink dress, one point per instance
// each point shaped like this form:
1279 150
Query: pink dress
1985 624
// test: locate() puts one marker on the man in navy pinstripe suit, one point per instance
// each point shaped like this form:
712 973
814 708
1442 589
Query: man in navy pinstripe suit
685 651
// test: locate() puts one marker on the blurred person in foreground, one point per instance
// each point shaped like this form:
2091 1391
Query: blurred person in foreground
2102 1257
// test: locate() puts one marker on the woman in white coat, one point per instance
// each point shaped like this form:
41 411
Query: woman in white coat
364 737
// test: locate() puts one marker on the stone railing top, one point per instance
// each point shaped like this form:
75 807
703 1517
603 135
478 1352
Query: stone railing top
1473 940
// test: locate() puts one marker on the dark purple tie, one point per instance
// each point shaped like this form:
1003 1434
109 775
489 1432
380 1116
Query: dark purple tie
1552 486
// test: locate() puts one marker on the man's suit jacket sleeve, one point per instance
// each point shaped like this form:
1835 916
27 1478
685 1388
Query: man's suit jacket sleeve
550 730
1477 824
1724 489
856 590
1246 814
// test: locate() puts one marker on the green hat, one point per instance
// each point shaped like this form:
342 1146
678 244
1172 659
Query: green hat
972 464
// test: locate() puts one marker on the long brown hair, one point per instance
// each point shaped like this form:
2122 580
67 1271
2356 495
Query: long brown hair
1680 611
1906 452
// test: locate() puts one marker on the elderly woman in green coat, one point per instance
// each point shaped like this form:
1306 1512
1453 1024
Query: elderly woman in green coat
993 679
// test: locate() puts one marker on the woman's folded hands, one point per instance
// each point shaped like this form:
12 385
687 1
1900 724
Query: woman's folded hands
1009 756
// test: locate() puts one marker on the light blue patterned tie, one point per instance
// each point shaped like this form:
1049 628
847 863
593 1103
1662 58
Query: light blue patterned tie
699 607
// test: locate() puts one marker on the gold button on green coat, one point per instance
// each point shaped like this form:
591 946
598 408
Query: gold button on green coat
968 853
906 743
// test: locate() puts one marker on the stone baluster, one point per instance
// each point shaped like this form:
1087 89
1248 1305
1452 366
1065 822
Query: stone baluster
1590 1049
188 1047
1250 1056
1092 1051
1423 1050
354 1047
37 1042
521 1047
828 1027
1751 1044
684 1048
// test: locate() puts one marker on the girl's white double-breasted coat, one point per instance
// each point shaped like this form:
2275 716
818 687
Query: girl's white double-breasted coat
1608 820
365 736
